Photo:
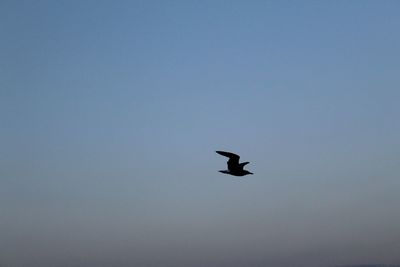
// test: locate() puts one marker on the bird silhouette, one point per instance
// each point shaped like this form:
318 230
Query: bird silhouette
234 167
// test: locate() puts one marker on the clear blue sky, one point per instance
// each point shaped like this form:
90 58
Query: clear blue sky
111 112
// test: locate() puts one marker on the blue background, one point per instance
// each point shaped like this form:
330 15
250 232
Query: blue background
111 112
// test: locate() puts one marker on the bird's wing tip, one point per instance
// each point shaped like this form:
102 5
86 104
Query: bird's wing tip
228 154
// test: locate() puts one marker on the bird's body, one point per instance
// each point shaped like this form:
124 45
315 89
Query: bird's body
234 167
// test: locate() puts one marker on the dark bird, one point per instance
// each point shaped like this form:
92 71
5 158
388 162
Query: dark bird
234 167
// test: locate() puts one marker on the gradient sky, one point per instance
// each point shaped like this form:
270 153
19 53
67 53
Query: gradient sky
111 112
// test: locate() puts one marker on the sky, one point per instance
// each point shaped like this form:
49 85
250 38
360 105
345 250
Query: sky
111 112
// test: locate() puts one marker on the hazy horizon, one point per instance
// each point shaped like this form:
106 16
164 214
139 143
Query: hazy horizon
112 111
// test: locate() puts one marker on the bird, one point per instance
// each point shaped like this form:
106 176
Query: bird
234 167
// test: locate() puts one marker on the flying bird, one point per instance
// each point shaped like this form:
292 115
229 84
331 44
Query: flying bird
234 167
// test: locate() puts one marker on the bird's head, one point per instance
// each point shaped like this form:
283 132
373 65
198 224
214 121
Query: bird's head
247 172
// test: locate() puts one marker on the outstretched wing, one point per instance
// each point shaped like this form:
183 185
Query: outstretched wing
233 161
229 155
243 164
